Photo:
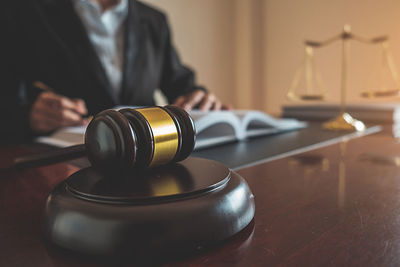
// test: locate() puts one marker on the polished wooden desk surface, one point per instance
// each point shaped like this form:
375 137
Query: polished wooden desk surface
336 206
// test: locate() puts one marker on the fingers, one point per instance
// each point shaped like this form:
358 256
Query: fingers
55 101
39 123
179 101
51 111
217 106
200 99
208 102
226 107
193 99
80 106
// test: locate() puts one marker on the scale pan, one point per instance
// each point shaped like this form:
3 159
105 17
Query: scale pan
381 93
295 97
312 97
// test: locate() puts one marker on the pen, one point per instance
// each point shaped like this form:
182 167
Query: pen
41 85
45 87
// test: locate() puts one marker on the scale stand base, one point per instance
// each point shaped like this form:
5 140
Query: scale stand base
344 122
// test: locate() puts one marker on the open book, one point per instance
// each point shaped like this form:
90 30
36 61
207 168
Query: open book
218 127
213 128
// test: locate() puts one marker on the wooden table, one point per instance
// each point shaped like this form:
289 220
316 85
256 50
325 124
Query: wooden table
338 205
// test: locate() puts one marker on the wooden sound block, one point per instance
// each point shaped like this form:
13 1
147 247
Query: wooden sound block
182 206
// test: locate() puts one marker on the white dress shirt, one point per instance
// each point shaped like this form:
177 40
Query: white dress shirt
106 33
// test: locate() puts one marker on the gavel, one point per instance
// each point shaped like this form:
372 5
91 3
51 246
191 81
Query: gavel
128 138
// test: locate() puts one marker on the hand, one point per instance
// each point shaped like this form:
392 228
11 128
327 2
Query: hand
201 100
51 111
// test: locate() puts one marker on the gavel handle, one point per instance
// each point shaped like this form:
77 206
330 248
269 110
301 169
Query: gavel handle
50 157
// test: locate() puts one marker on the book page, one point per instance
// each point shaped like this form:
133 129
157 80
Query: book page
64 137
256 123
216 134
215 127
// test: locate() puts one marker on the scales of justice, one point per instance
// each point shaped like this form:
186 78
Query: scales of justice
344 121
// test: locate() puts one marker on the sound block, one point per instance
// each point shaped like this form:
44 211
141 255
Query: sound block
182 206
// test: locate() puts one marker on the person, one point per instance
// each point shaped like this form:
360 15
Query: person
62 60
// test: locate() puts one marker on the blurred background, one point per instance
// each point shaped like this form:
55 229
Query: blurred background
247 51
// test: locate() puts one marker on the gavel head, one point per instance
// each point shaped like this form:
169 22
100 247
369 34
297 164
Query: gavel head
139 138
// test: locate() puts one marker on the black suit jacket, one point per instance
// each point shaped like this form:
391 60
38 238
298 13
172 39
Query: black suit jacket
44 40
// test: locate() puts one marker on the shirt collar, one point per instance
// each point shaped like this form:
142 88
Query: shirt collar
121 7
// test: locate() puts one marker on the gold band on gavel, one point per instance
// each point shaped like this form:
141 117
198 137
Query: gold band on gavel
165 135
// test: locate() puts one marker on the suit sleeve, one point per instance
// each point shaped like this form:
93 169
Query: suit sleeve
177 79
14 107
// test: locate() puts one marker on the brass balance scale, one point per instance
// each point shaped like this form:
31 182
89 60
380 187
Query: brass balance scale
344 121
